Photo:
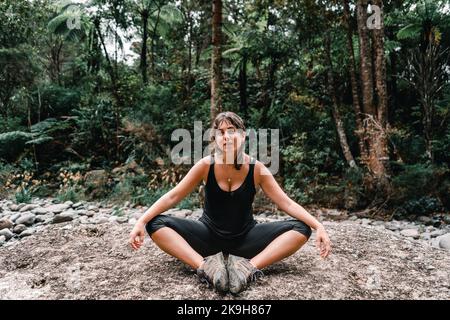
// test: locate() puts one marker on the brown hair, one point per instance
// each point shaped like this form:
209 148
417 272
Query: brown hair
236 121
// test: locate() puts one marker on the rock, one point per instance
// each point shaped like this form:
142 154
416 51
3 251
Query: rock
57 208
183 213
68 203
118 219
93 208
137 215
5 224
39 211
444 241
90 213
353 218
15 216
27 233
425 236
18 229
26 219
412 233
40 219
132 221
2 240
436 222
63 217
99 220
392 227
378 223
197 213
425 220
122 219
7 234
81 212
437 233
78 204
13 207
28 207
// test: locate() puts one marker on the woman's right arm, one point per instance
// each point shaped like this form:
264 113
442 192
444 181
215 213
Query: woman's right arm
168 200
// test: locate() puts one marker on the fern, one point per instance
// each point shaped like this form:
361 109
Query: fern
411 31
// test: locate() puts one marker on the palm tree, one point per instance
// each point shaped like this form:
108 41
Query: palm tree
159 17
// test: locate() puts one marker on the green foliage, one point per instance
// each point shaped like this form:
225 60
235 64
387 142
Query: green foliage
421 189
23 196
421 206
72 193
12 144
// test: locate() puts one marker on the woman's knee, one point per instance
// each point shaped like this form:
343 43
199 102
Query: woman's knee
157 223
301 227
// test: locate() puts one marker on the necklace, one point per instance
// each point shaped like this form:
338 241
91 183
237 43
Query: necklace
229 184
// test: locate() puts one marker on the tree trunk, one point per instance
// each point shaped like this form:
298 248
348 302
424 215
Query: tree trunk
143 65
365 59
375 120
334 108
243 86
354 83
154 34
216 63
381 145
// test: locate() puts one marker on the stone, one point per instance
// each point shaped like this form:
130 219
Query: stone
392 227
15 216
78 204
437 233
411 233
57 208
68 203
27 233
18 229
13 207
5 224
81 212
93 208
7 234
2 240
26 219
63 217
122 220
28 207
425 220
99 220
39 211
425 236
90 213
444 241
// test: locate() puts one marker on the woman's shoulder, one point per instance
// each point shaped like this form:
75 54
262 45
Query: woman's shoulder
260 171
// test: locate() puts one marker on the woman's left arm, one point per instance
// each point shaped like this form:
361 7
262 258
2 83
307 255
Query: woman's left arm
273 190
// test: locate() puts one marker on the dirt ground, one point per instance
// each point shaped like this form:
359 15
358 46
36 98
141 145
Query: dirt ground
94 262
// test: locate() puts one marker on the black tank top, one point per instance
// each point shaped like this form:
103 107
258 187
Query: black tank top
229 214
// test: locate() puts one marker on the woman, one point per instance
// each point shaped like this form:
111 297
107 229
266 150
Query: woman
227 225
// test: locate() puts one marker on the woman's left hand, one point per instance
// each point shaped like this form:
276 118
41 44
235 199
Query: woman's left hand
323 242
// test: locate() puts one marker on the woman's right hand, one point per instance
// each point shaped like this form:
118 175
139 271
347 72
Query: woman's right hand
137 235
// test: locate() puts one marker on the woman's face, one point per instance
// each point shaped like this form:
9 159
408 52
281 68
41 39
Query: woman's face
228 138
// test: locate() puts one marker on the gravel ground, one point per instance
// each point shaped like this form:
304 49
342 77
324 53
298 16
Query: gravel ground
65 261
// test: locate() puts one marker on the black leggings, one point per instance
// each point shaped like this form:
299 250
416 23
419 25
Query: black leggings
203 240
